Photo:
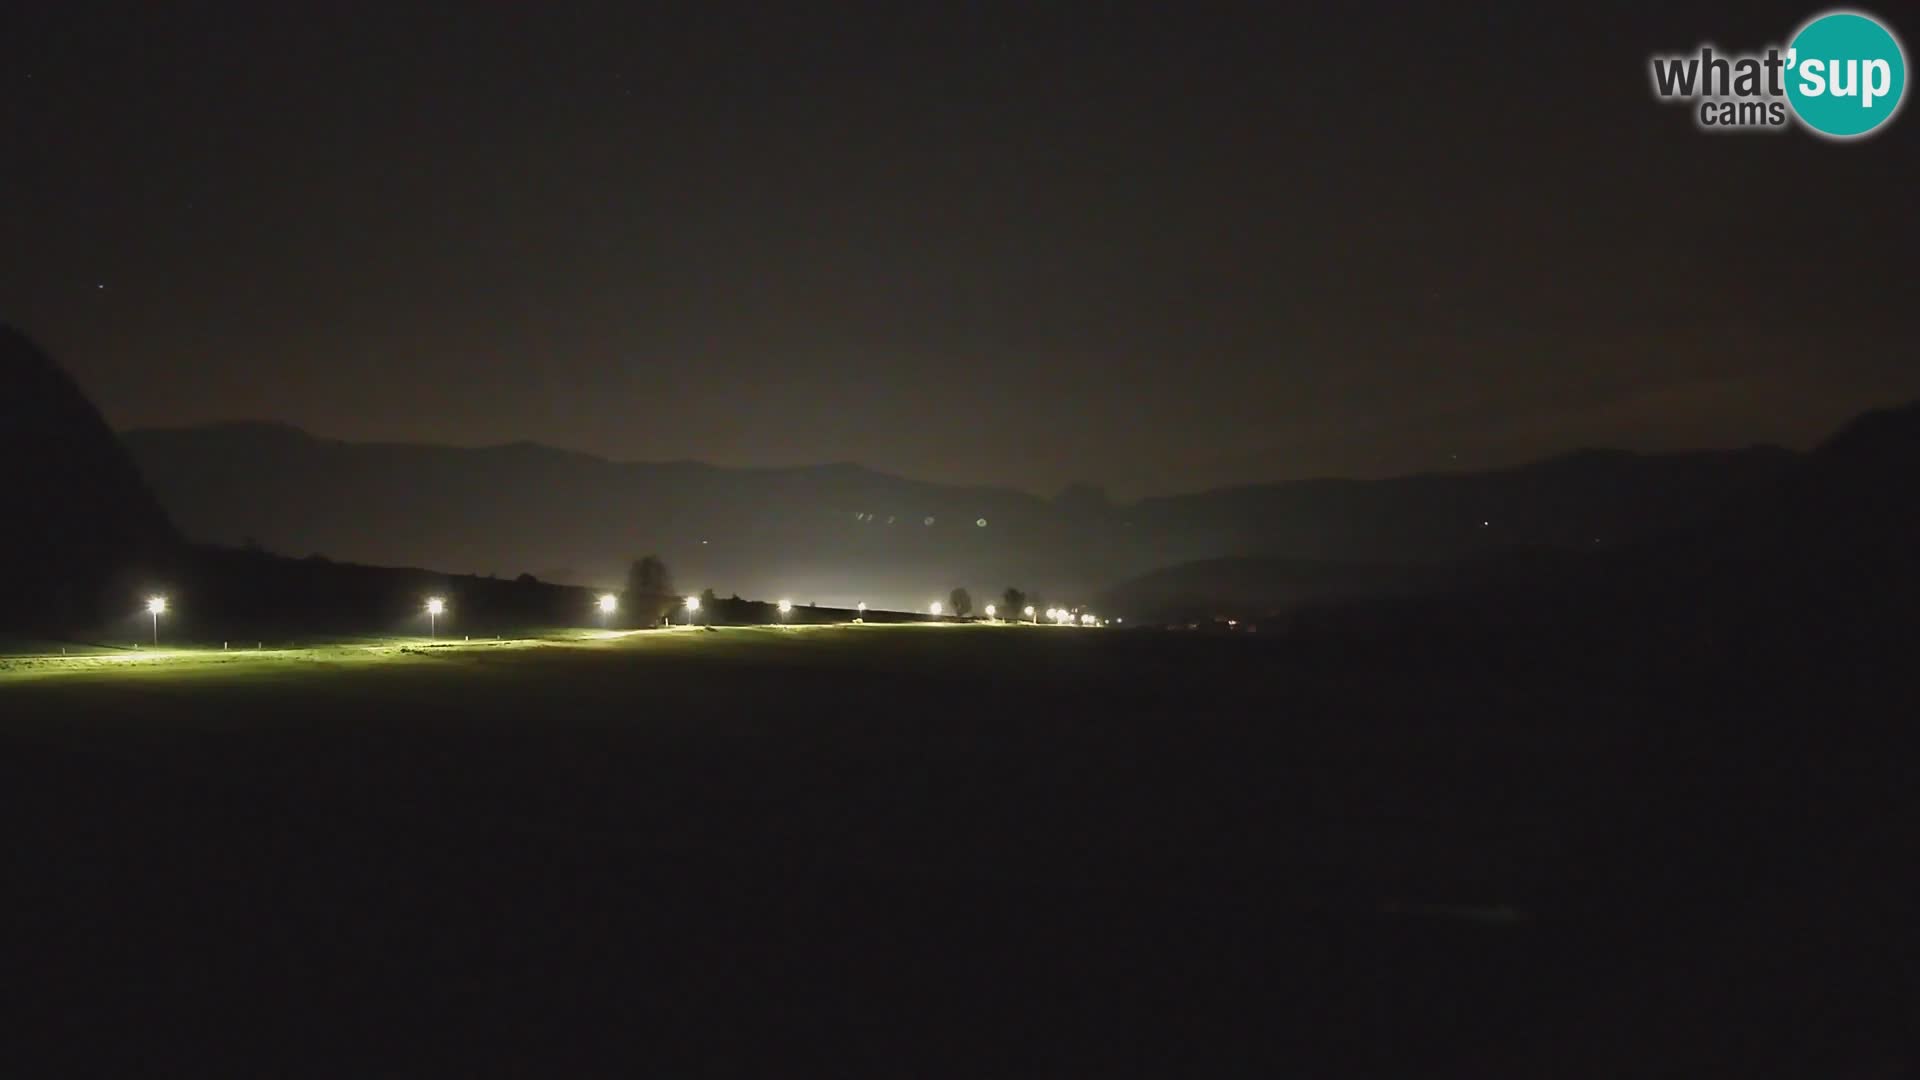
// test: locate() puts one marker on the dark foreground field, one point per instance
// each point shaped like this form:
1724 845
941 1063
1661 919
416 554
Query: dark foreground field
904 851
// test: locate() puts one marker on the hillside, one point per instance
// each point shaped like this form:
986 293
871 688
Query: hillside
1694 521
80 524
841 533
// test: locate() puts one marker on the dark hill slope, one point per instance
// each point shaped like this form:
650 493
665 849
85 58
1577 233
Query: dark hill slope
79 524
841 533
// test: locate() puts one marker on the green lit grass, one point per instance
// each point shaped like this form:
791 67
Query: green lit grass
42 660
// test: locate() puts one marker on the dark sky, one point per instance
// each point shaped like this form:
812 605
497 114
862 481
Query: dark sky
1156 247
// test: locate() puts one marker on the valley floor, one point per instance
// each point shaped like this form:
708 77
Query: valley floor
888 850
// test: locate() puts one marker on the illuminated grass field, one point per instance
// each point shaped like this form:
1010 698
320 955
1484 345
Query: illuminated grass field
775 644
805 831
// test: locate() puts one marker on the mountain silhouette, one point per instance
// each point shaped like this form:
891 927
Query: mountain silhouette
1753 528
841 533
80 523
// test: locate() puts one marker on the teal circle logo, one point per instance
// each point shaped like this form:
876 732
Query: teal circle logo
1846 74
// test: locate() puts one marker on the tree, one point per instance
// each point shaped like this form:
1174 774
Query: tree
1014 602
648 577
962 602
708 599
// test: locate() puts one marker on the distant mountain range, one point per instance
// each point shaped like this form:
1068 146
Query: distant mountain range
1792 528
841 533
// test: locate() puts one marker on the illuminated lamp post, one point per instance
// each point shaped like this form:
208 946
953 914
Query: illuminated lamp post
156 607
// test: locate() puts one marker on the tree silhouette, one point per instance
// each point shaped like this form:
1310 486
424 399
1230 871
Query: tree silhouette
648 577
1013 602
962 602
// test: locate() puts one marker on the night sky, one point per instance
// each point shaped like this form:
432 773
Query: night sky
1157 248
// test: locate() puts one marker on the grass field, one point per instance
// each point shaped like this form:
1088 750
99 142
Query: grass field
985 850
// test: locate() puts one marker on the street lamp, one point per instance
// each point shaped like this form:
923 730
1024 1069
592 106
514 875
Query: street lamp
156 607
693 605
785 606
935 609
435 607
1029 614
861 607
609 603
989 612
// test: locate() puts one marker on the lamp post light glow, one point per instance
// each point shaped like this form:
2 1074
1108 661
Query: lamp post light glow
1029 613
989 612
435 608
785 606
609 603
861 607
693 605
156 607
935 608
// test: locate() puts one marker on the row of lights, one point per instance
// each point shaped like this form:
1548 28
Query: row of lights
609 603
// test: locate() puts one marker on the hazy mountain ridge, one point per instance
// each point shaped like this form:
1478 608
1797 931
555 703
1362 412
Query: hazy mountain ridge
1793 527
822 532
578 517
